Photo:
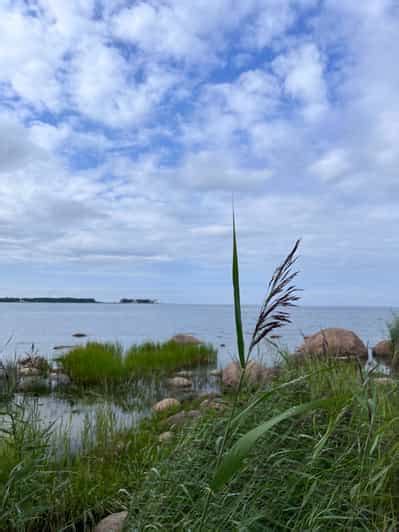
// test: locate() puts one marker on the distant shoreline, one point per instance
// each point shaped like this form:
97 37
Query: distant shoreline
91 300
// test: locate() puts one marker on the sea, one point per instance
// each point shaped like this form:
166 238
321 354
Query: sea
41 327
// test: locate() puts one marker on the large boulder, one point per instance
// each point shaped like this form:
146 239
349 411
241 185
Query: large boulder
112 523
334 342
255 374
383 349
184 339
166 404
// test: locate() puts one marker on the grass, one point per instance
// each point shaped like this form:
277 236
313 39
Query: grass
331 469
154 357
393 331
44 486
96 363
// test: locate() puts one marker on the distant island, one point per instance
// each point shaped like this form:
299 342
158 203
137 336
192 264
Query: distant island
68 300
151 301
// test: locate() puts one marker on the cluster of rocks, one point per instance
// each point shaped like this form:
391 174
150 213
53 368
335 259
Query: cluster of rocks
178 417
35 371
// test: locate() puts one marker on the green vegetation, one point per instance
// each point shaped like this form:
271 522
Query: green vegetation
333 468
393 330
95 362
45 486
329 468
153 357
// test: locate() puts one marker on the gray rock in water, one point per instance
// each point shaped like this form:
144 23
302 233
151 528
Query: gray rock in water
112 523
180 382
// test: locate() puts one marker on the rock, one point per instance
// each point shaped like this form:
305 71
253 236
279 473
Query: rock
180 382
184 373
185 339
34 362
166 437
334 342
212 404
26 371
383 349
79 335
57 347
182 417
166 404
112 523
255 374
216 373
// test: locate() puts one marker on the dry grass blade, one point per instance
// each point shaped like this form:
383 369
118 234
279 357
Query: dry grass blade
282 294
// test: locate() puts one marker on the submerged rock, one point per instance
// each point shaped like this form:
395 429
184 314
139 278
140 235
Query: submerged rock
112 523
180 382
334 342
185 339
255 374
383 349
58 347
166 404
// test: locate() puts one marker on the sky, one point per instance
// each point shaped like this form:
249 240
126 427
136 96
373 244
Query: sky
127 127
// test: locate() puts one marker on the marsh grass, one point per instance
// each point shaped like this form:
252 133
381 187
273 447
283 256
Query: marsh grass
94 363
45 486
393 331
98 363
166 357
329 469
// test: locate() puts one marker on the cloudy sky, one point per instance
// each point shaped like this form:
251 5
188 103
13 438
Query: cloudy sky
127 126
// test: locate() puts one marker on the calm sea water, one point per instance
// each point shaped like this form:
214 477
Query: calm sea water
50 325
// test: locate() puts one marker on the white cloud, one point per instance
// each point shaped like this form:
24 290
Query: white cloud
302 71
332 165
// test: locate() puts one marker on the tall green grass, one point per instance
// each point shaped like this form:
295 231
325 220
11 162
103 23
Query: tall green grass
393 330
153 357
46 486
335 467
96 363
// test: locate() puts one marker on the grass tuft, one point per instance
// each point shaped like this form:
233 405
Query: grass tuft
154 357
94 363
